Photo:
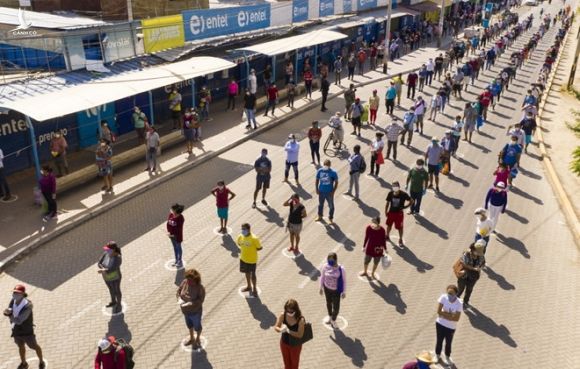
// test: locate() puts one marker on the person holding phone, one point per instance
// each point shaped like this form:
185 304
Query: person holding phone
294 225
291 325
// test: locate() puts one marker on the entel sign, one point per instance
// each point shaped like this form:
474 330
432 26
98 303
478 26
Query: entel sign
199 24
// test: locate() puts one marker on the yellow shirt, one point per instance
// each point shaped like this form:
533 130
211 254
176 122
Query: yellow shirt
398 82
249 247
374 102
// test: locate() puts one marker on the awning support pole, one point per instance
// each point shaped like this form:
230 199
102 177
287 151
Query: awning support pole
315 60
193 92
273 69
99 128
151 109
296 68
34 146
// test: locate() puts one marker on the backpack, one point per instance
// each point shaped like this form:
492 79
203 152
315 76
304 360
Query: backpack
121 344
362 167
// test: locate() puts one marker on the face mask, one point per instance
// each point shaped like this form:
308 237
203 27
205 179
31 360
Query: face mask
220 188
331 262
17 297
418 166
109 251
396 189
326 167
245 232
451 298
514 142
291 314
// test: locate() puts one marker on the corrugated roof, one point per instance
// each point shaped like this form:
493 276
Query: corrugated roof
26 18
286 44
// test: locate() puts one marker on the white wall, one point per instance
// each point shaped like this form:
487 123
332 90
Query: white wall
281 14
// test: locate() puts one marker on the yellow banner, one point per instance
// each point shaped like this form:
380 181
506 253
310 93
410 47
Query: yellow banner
163 33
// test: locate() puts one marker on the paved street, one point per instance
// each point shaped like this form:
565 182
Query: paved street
524 306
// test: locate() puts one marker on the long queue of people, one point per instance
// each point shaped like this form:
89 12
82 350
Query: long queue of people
295 330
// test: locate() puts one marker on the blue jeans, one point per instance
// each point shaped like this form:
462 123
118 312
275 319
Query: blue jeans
417 197
177 250
329 197
251 115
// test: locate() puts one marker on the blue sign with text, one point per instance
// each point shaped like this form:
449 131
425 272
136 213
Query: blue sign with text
326 8
299 10
366 4
199 24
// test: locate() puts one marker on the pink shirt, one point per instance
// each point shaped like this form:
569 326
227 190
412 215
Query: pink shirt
501 176
233 88
329 277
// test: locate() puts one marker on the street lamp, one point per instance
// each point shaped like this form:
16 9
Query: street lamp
387 36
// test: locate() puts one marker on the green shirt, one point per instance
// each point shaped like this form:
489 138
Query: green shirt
417 178
139 120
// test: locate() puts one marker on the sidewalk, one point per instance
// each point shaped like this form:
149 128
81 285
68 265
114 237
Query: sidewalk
225 130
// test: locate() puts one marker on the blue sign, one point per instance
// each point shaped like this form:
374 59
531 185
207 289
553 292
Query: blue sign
489 7
347 6
299 10
366 4
88 122
199 24
326 8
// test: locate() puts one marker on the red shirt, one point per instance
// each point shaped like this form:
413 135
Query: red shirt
108 360
272 93
412 79
222 197
175 226
485 98
314 134
375 241
308 76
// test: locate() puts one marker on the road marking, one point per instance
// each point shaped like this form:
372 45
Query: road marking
106 312
246 295
313 273
340 320
168 266
202 341
143 271
81 313
290 254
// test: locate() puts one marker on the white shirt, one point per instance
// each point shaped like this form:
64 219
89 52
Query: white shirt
253 84
484 227
430 65
449 307
292 149
1 159
420 107
377 145
519 133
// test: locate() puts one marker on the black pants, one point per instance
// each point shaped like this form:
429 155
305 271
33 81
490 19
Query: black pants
332 302
324 97
294 167
390 106
393 145
308 87
291 101
231 101
115 291
315 151
4 189
51 204
444 333
465 284
350 73
373 164
411 92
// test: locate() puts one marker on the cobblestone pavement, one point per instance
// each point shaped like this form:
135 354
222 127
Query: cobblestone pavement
523 306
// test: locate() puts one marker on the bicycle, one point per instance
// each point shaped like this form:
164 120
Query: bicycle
330 139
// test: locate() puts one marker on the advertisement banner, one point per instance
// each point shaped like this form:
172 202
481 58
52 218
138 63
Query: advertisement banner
366 4
299 10
326 8
207 23
163 33
347 6
88 123
118 44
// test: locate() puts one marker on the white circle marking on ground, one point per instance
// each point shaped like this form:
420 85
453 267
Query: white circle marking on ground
217 229
342 323
168 266
202 341
12 199
246 295
291 254
106 312
368 279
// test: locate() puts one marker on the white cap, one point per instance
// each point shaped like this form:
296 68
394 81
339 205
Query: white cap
104 344
480 211
500 185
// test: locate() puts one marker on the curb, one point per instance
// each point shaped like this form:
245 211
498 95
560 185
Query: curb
562 196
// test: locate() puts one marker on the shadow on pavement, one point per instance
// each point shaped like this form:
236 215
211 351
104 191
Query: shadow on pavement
199 360
352 348
391 295
261 313
304 195
527 173
515 245
456 203
431 227
338 235
368 211
526 195
457 179
517 217
307 268
499 279
483 149
467 163
179 275
272 216
118 328
409 256
229 244
485 324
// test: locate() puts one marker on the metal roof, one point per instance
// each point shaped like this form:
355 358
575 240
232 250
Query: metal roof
26 18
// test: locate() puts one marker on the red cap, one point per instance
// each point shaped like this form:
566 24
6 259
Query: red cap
19 289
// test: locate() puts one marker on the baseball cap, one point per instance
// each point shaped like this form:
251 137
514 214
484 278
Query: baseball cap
19 288
479 211
500 185
104 344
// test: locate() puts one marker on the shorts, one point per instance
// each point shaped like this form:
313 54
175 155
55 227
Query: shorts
295 228
30 341
175 114
433 169
528 139
395 218
368 258
356 121
222 213
247 268
193 321
262 182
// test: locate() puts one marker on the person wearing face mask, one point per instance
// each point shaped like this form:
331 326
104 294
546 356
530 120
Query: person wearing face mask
294 225
292 148
58 147
263 167
314 135
417 181
529 126
19 312
109 356
191 295
510 156
357 166
139 121
484 226
291 325
189 120
326 185
250 109
175 222
103 156
394 207
377 159
249 246
333 286
374 246
110 268
472 261
516 132
449 311
496 202
47 185
223 195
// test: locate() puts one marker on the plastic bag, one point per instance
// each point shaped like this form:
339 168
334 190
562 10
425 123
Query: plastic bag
386 261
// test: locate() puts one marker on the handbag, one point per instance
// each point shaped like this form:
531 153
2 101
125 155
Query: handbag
307 335
340 282
386 261
459 269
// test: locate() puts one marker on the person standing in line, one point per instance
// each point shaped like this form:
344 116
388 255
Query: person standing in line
292 148
152 144
19 312
435 106
314 135
449 310
496 202
252 83
174 226
390 96
308 77
529 127
263 167
250 109
139 122
333 286
484 227
362 58
103 156
394 130
510 156
294 224
249 246
223 195
326 185
290 92
356 112
5 194
448 145
417 182
433 156
409 119
110 268
47 185
394 207
349 97
412 84
272 93
232 93
58 147
456 133
357 166
398 83
377 159
420 108
191 295
374 102
324 88
110 355
105 133
351 63
470 119
188 131
175 107
473 260
291 325
430 67
374 246
422 77
288 72
338 71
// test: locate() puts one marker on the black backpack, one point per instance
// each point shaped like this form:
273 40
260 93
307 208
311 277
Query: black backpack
121 344
362 166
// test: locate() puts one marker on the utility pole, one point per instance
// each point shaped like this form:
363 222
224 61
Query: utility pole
441 17
387 36
130 10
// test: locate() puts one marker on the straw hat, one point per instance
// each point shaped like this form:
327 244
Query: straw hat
426 357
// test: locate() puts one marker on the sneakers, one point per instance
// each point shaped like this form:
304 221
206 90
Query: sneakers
327 320
42 365
23 366
330 222
318 219
450 361
333 324
253 205
264 202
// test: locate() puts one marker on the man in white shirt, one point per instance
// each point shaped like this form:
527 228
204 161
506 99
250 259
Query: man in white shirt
292 149
517 132
430 70
484 226
253 82
4 189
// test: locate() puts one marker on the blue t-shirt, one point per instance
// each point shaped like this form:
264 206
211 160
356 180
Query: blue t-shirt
326 179
391 93
510 154
529 100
